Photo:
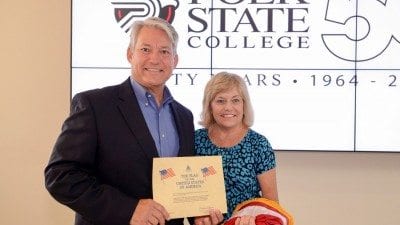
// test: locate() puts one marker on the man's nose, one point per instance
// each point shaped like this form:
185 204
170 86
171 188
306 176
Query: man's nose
155 56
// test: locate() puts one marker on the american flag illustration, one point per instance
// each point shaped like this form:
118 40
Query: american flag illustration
207 171
166 173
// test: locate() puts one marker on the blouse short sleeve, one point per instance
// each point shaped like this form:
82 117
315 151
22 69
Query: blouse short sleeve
263 152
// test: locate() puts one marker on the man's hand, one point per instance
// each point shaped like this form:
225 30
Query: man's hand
149 212
214 218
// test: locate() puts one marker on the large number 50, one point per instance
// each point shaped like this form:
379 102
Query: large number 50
371 26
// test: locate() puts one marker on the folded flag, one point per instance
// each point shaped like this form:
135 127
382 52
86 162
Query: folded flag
265 211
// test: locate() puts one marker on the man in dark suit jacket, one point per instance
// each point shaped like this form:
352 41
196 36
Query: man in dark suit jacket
101 164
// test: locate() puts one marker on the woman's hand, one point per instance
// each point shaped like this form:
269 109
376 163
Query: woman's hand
245 220
215 217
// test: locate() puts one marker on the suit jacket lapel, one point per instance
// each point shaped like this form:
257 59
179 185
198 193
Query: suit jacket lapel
130 110
185 130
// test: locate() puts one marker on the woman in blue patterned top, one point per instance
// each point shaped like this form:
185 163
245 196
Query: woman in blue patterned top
247 157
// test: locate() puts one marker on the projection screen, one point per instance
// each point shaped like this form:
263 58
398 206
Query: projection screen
323 75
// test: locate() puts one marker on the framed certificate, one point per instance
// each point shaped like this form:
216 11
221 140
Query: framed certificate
189 186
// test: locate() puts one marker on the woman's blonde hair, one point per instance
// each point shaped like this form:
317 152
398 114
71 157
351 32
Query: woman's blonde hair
222 82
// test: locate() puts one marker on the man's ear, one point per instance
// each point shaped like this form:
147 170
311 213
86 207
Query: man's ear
129 54
176 59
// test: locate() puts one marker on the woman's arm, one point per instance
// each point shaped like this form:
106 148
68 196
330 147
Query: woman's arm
268 184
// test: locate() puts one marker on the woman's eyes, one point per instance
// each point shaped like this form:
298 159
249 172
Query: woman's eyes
234 101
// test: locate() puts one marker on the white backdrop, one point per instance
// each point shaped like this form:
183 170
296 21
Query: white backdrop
301 60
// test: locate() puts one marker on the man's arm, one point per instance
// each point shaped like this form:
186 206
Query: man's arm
70 176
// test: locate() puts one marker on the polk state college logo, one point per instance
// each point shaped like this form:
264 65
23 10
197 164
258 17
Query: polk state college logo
127 11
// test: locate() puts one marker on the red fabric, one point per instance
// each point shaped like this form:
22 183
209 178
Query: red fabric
262 219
